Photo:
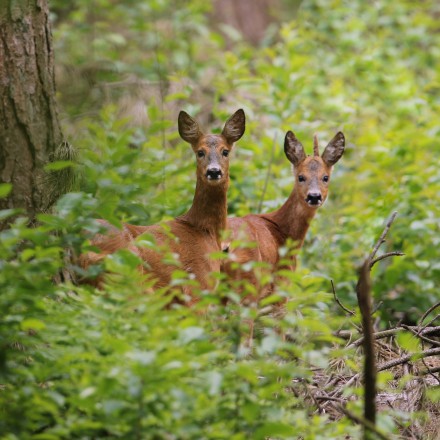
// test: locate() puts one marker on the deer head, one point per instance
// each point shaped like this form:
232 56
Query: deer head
312 173
212 150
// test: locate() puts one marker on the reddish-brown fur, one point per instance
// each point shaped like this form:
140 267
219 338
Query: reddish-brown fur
196 234
292 220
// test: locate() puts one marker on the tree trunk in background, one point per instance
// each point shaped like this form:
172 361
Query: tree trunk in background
250 17
29 128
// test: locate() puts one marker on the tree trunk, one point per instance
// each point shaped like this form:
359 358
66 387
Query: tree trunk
250 17
29 129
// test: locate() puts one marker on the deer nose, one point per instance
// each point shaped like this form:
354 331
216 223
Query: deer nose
314 199
214 173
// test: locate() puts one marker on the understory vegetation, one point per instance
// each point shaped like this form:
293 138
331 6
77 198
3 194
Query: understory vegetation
78 362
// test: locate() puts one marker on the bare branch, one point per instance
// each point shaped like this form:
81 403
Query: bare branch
428 312
351 312
383 235
363 290
372 258
382 257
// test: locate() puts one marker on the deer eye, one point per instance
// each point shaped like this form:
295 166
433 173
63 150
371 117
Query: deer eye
325 178
200 153
225 153
301 178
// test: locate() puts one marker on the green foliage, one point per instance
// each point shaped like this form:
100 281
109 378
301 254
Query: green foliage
77 362
82 363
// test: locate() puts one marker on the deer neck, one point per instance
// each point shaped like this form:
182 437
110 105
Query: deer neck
209 208
293 219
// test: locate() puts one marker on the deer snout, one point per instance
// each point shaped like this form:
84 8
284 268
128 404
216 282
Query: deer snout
214 173
314 199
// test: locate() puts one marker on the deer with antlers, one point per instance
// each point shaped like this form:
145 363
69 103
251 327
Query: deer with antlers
192 236
292 220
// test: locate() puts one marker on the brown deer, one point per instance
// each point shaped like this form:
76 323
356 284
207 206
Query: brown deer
192 236
292 220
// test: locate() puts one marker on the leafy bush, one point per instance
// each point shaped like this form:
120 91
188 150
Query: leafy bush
76 362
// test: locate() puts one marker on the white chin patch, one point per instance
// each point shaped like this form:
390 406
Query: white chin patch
314 205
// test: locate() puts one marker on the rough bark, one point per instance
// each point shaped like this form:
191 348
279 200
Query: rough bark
29 129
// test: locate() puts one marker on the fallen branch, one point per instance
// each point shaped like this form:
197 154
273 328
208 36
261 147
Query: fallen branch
429 371
409 357
347 334
387 365
329 398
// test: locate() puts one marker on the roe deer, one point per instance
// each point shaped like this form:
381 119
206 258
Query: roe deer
196 234
292 220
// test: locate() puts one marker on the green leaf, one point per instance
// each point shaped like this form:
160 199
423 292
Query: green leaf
32 324
408 341
5 189
274 429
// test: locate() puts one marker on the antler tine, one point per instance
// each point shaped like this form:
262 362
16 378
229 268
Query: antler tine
315 145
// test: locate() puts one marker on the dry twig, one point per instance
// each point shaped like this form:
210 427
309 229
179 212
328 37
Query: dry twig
383 235
428 312
351 312
361 421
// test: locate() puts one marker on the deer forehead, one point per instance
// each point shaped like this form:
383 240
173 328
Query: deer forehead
313 166
212 142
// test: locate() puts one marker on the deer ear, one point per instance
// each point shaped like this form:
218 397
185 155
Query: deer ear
234 127
294 149
334 150
188 128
